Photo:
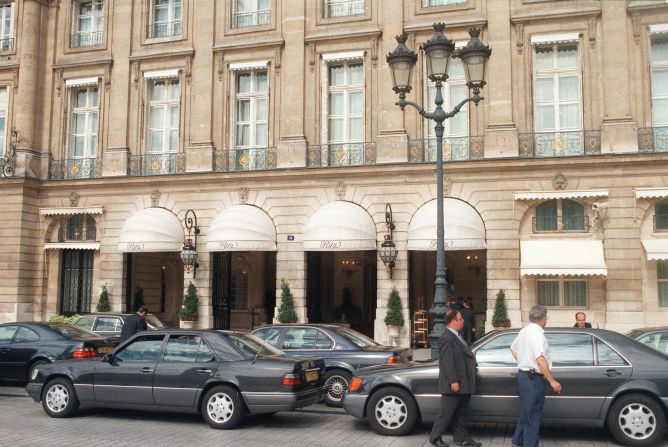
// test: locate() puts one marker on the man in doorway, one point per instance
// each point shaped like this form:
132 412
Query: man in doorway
469 322
581 320
456 382
134 323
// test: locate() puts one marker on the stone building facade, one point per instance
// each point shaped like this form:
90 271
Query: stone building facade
275 122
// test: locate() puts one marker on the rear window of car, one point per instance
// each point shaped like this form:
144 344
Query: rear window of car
7 333
269 334
571 349
358 339
85 322
70 331
250 345
187 348
109 324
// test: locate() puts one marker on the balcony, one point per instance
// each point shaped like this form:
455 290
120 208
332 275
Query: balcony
157 164
85 39
255 159
342 8
7 44
252 18
454 149
75 168
560 224
653 139
340 154
559 144
164 29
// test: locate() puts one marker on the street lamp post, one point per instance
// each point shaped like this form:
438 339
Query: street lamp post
438 51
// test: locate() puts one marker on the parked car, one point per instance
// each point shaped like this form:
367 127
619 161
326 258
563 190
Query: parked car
608 380
110 324
654 337
220 374
343 349
25 346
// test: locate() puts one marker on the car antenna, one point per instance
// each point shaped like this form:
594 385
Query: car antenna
257 354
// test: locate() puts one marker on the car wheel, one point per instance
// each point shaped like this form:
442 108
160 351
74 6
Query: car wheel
637 420
391 411
59 399
33 367
222 407
336 382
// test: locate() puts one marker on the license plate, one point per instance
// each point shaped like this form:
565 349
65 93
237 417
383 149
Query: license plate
311 376
104 349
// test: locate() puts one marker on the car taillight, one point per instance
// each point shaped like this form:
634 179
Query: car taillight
84 352
355 384
291 380
393 360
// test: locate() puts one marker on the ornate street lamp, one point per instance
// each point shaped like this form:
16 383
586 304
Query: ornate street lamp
388 251
438 51
189 250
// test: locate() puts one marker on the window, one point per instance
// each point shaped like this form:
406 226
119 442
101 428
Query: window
145 348
108 324
4 109
343 8
251 13
251 101
163 115
80 227
570 349
497 352
84 122
659 79
661 216
608 356
345 113
662 279
239 286
269 334
6 26
300 338
25 335
165 20
88 23
7 333
557 97
187 348
76 285
85 322
560 292
430 3
560 215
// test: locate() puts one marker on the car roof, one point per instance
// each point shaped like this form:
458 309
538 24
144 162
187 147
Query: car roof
650 329
315 325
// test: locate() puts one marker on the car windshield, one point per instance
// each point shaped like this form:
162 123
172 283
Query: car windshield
359 339
250 345
70 331
153 321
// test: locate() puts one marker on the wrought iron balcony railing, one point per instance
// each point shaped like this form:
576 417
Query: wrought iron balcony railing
253 18
7 44
75 168
165 29
454 149
340 154
653 139
85 39
342 8
157 164
255 159
559 144
430 3
559 224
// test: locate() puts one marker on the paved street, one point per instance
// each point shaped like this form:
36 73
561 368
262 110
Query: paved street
24 423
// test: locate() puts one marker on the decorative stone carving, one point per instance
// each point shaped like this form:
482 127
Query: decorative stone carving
591 25
340 190
74 199
560 182
519 36
155 198
447 186
243 195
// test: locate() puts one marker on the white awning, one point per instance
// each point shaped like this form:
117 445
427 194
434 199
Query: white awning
70 211
242 228
151 230
82 82
546 195
340 226
555 38
348 56
650 193
249 65
464 228
72 246
657 249
162 74
572 257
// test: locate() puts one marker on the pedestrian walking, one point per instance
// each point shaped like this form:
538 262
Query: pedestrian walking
456 382
134 323
532 352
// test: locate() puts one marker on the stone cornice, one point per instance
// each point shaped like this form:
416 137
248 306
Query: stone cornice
553 15
81 62
170 53
468 22
237 42
359 33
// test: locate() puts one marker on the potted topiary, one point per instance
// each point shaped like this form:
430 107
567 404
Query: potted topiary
286 311
103 304
394 319
500 318
189 310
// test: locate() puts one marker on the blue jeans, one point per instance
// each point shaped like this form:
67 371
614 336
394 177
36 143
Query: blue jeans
532 399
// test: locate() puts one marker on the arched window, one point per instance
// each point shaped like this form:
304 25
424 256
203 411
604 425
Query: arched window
661 216
560 215
80 227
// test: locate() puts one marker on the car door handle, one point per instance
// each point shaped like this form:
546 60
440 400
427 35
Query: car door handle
612 373
204 371
146 370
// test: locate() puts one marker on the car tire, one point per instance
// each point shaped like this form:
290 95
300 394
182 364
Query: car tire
34 366
336 382
222 407
59 399
391 411
637 420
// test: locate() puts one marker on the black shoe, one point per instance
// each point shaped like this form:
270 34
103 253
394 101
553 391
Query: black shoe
470 443
439 442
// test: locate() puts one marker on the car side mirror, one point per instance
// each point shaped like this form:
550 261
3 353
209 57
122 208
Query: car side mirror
109 358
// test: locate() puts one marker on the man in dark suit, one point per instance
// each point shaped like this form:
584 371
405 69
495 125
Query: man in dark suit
581 320
134 323
469 322
456 382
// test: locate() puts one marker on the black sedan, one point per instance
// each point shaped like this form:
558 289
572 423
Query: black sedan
608 380
654 337
343 349
219 374
25 346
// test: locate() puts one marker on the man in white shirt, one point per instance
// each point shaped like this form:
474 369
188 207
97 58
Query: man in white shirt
532 353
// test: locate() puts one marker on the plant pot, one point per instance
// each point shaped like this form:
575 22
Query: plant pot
187 324
393 334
